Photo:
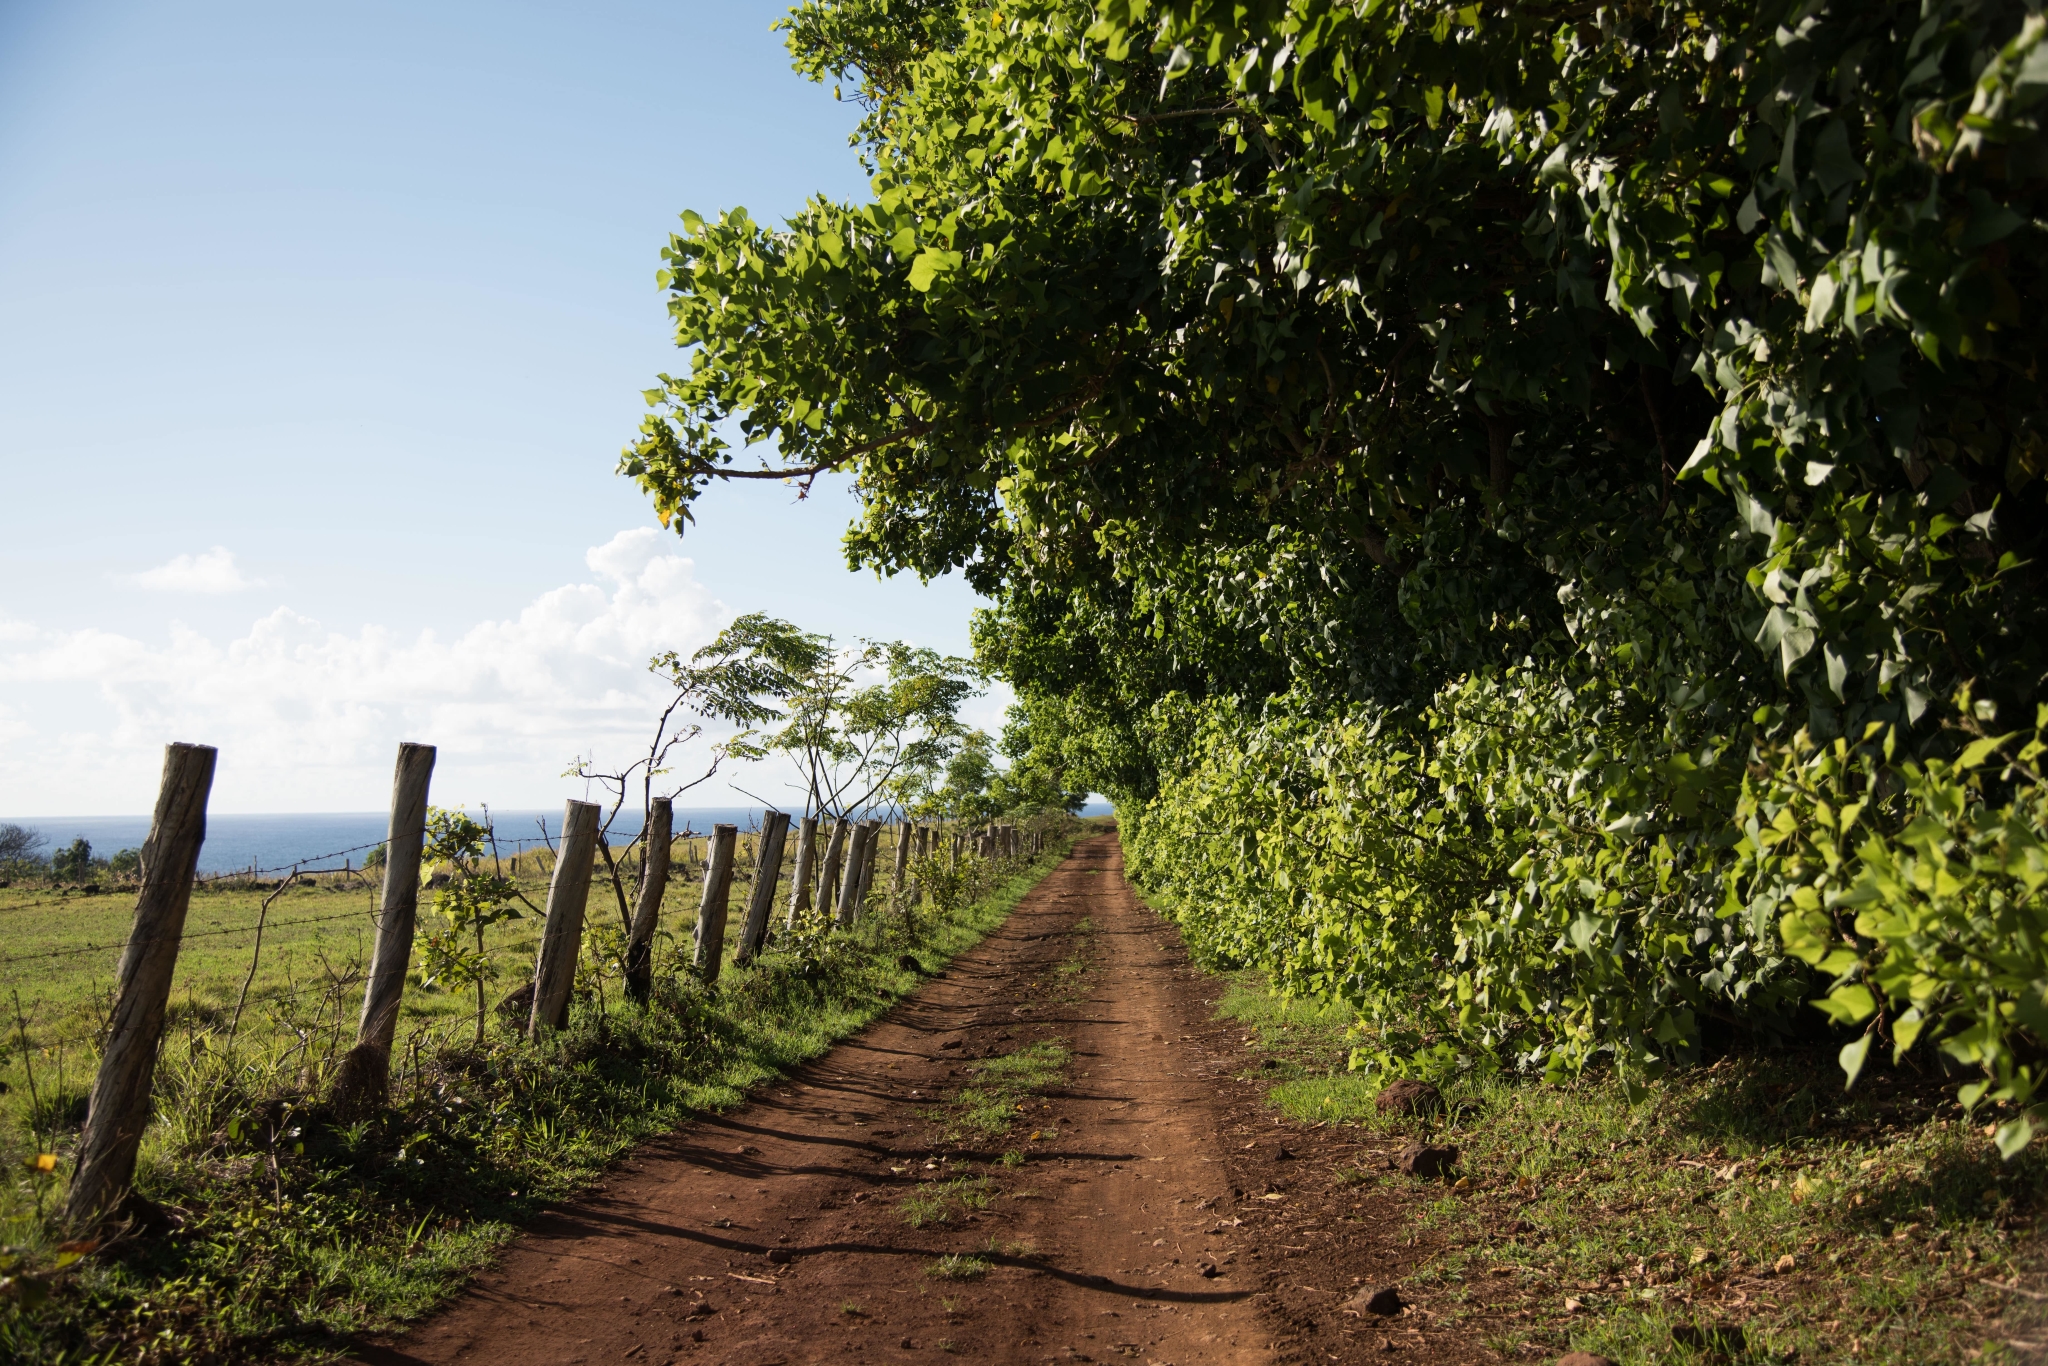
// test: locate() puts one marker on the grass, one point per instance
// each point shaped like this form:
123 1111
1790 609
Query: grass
1748 1210
991 1104
63 944
959 1266
270 1228
933 1202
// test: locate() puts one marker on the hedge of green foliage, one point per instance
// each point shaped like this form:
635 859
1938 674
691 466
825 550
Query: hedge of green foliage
1486 486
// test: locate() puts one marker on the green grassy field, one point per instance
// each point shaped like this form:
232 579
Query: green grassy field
60 947
1749 1210
271 1226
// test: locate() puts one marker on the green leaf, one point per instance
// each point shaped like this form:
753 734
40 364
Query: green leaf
1833 163
2013 1136
932 263
1977 751
1852 1058
1849 1004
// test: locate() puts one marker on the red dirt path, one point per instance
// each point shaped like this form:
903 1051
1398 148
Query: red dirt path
1173 1219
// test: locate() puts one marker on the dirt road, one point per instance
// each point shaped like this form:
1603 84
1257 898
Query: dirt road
1160 1212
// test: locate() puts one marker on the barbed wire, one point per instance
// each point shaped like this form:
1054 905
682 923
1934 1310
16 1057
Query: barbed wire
188 934
296 865
299 866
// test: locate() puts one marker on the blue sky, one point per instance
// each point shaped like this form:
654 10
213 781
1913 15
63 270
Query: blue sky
320 330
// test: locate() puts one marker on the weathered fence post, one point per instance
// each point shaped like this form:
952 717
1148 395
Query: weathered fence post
561 939
871 854
806 867
120 1093
840 888
919 843
903 829
849 883
363 1080
718 861
767 872
835 858
647 910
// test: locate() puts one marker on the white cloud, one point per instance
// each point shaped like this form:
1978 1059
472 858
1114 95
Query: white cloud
307 718
212 571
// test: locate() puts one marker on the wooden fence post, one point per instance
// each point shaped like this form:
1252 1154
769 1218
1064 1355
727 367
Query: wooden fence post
903 829
561 939
919 843
121 1092
647 910
767 872
718 862
363 1080
871 854
849 883
806 867
835 858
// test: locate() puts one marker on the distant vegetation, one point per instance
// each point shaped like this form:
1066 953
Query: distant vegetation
22 858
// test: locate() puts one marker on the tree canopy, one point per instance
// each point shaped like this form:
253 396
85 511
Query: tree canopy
1328 387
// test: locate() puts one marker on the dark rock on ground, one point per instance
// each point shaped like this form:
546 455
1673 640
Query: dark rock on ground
1428 1159
1409 1097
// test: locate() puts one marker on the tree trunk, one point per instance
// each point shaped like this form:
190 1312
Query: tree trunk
835 859
119 1108
647 911
561 941
806 869
871 854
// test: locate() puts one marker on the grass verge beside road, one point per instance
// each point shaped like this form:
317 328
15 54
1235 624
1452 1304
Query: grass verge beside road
270 1229
1748 1210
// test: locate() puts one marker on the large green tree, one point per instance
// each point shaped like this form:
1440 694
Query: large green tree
1324 365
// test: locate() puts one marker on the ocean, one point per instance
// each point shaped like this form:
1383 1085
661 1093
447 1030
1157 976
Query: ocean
324 839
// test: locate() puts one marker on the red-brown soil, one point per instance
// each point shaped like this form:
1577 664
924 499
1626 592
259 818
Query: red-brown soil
1172 1219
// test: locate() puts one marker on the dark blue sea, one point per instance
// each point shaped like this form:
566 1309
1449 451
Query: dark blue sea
276 843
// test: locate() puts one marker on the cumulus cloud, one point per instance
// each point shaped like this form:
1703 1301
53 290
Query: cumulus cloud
211 571
307 717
